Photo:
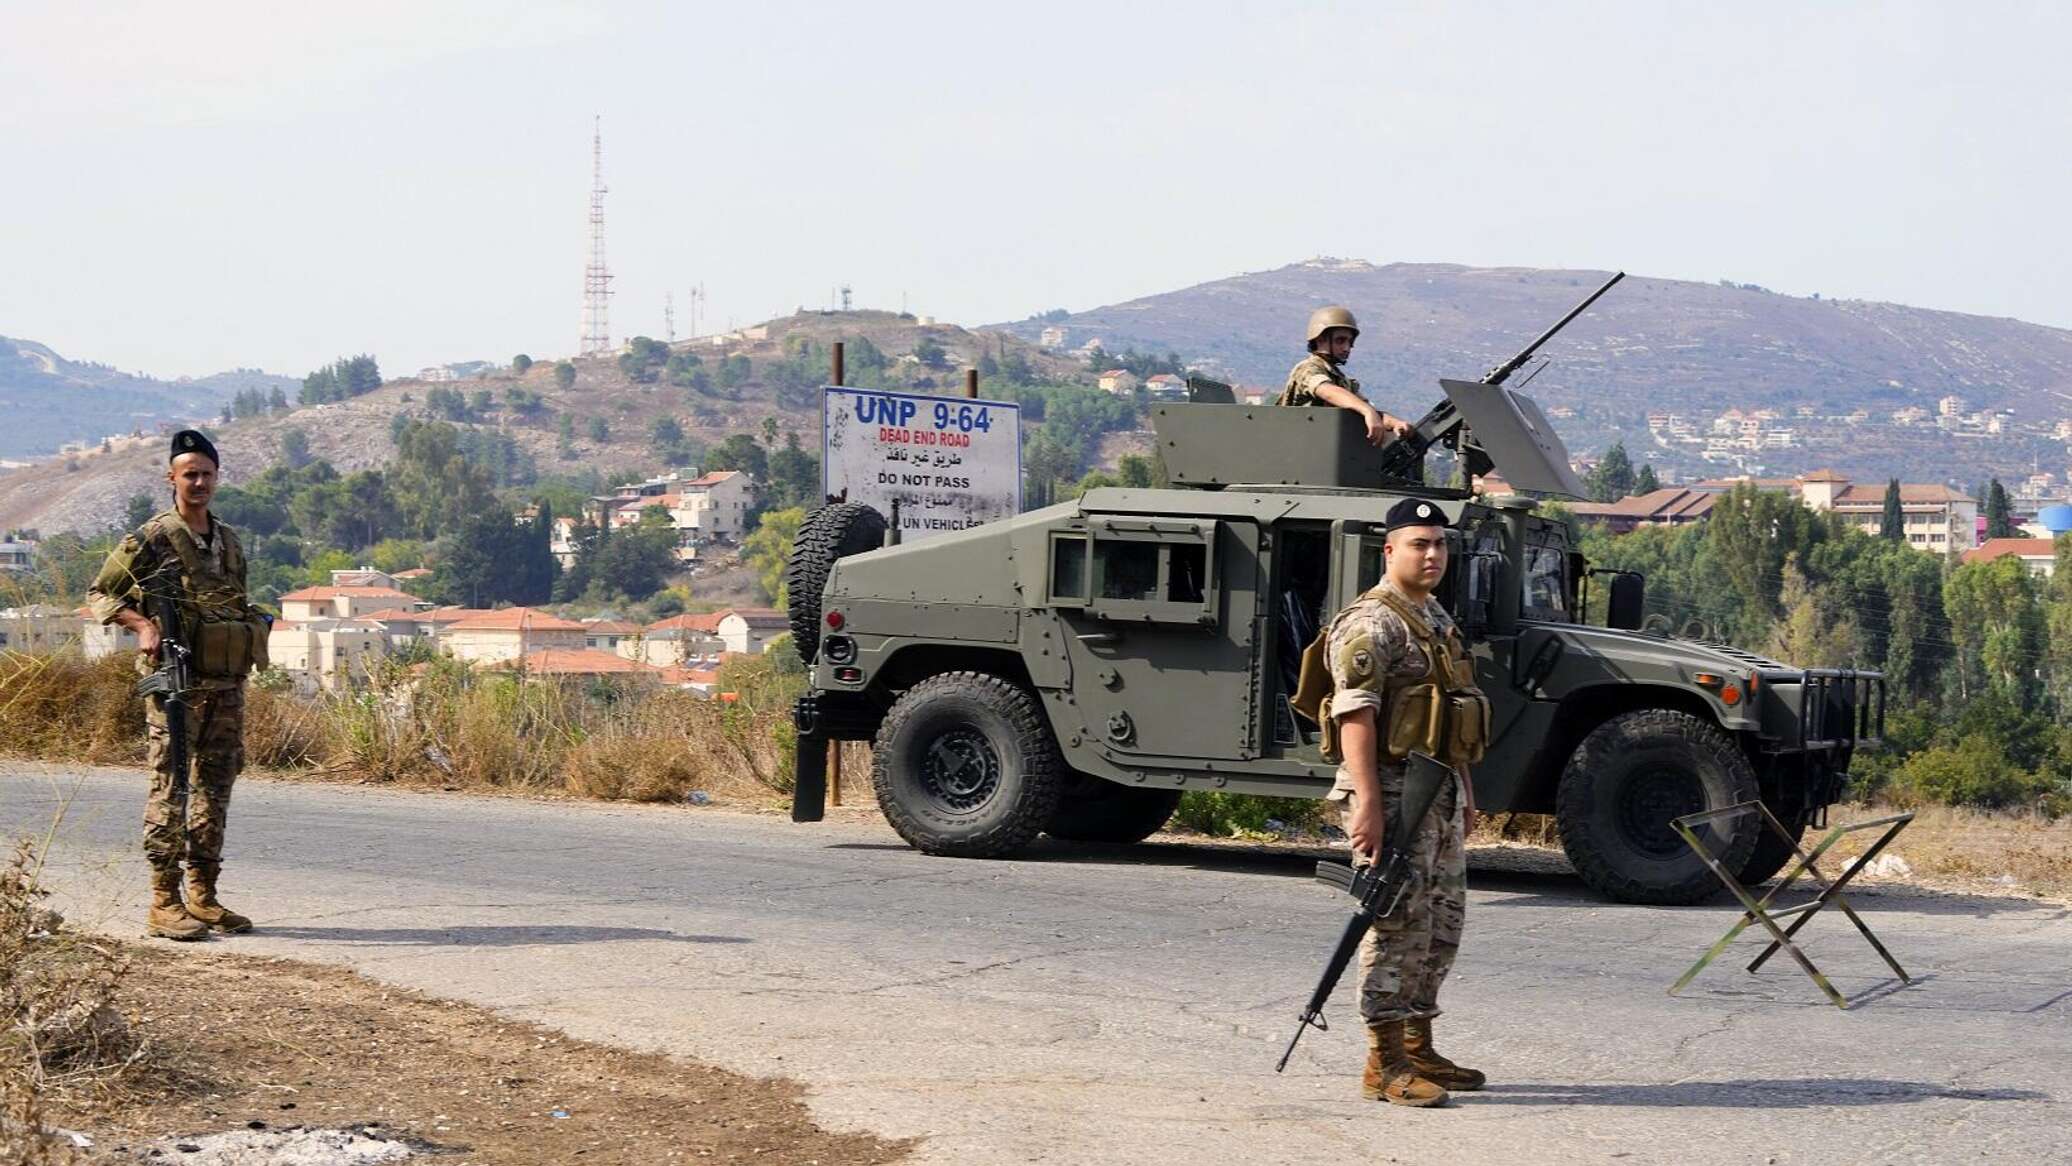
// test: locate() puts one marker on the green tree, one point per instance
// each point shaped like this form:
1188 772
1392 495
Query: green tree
633 561
1999 512
396 554
598 430
294 447
1045 462
931 354
1893 524
140 509
564 375
1137 471
433 483
521 363
1613 477
740 452
1998 628
768 550
794 476
1646 483
1817 628
665 438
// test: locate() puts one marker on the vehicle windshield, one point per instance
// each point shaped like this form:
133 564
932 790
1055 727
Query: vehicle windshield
1546 575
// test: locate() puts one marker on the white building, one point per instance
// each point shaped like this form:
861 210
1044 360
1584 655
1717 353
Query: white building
40 628
310 603
715 505
510 633
17 555
327 655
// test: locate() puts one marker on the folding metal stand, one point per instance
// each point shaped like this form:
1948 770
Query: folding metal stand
1760 910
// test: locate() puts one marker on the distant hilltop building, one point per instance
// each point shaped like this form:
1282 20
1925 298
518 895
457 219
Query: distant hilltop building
1051 339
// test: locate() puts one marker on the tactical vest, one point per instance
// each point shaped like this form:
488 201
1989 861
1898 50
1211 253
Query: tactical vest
225 632
1441 712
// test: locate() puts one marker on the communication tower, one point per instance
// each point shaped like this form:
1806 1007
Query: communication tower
597 278
669 316
845 297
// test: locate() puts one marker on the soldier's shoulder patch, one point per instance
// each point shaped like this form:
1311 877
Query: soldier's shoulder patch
1355 661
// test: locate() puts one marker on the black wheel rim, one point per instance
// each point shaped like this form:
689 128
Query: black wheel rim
1652 797
959 769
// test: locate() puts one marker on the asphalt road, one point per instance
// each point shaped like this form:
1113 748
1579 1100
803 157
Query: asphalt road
1125 1005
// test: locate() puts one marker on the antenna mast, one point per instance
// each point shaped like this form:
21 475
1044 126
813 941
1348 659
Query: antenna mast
669 316
597 278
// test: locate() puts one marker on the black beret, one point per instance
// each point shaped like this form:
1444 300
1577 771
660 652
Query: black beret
194 441
1415 512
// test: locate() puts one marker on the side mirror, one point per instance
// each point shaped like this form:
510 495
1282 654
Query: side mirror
1628 596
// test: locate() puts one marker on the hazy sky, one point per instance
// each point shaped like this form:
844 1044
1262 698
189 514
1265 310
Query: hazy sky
191 187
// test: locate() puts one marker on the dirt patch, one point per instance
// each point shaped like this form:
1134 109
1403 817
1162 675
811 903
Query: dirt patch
286 1044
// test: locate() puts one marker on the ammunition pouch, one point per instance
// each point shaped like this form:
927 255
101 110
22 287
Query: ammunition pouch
228 648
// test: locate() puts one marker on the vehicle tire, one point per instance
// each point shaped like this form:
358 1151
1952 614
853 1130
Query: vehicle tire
1624 783
965 765
1770 853
829 533
1093 809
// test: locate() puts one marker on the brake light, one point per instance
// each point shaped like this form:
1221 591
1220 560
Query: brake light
835 620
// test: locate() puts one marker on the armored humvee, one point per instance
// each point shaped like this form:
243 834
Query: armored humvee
1075 669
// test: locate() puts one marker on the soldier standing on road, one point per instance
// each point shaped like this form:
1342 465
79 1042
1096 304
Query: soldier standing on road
1402 681
200 556
1319 378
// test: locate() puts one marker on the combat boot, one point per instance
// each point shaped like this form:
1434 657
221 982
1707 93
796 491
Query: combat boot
167 919
202 904
1390 1077
1417 1042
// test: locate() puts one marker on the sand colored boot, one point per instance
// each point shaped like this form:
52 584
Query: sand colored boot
1417 1043
1390 1076
202 904
167 919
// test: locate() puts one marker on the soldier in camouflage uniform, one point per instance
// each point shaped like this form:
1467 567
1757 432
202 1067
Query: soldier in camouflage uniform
1375 653
201 558
1319 378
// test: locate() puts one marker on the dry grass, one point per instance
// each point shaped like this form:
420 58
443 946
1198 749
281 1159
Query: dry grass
62 1040
443 724
65 706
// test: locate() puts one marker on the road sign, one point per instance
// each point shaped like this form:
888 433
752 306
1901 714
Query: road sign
949 462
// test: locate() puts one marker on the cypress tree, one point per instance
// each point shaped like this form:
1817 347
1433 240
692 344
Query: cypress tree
1895 524
1999 512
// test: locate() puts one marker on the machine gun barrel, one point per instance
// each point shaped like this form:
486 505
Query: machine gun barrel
1405 457
1502 372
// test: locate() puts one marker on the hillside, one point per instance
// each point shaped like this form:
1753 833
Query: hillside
47 401
1651 345
87 492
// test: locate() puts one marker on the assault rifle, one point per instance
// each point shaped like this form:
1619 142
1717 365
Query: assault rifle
1404 457
1379 888
172 680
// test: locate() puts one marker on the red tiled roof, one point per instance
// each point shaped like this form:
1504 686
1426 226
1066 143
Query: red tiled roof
448 614
707 622
1994 548
1669 504
511 619
1823 476
577 662
713 479
1873 496
312 594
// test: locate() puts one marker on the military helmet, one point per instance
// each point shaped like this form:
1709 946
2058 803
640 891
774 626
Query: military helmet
1324 319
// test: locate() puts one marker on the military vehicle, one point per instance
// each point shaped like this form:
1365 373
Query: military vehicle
1075 669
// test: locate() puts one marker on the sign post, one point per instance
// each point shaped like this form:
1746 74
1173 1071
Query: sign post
933 465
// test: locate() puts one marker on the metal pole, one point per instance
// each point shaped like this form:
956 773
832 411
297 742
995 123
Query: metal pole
971 382
838 365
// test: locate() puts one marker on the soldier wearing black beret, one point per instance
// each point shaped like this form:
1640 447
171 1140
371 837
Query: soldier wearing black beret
1401 680
200 561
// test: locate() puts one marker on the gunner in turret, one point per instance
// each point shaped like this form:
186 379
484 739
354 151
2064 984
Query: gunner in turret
1319 378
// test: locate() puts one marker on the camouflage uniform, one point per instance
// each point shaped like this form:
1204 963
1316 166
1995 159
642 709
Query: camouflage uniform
1310 374
1405 957
215 708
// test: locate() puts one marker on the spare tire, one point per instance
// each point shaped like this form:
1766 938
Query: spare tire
829 533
